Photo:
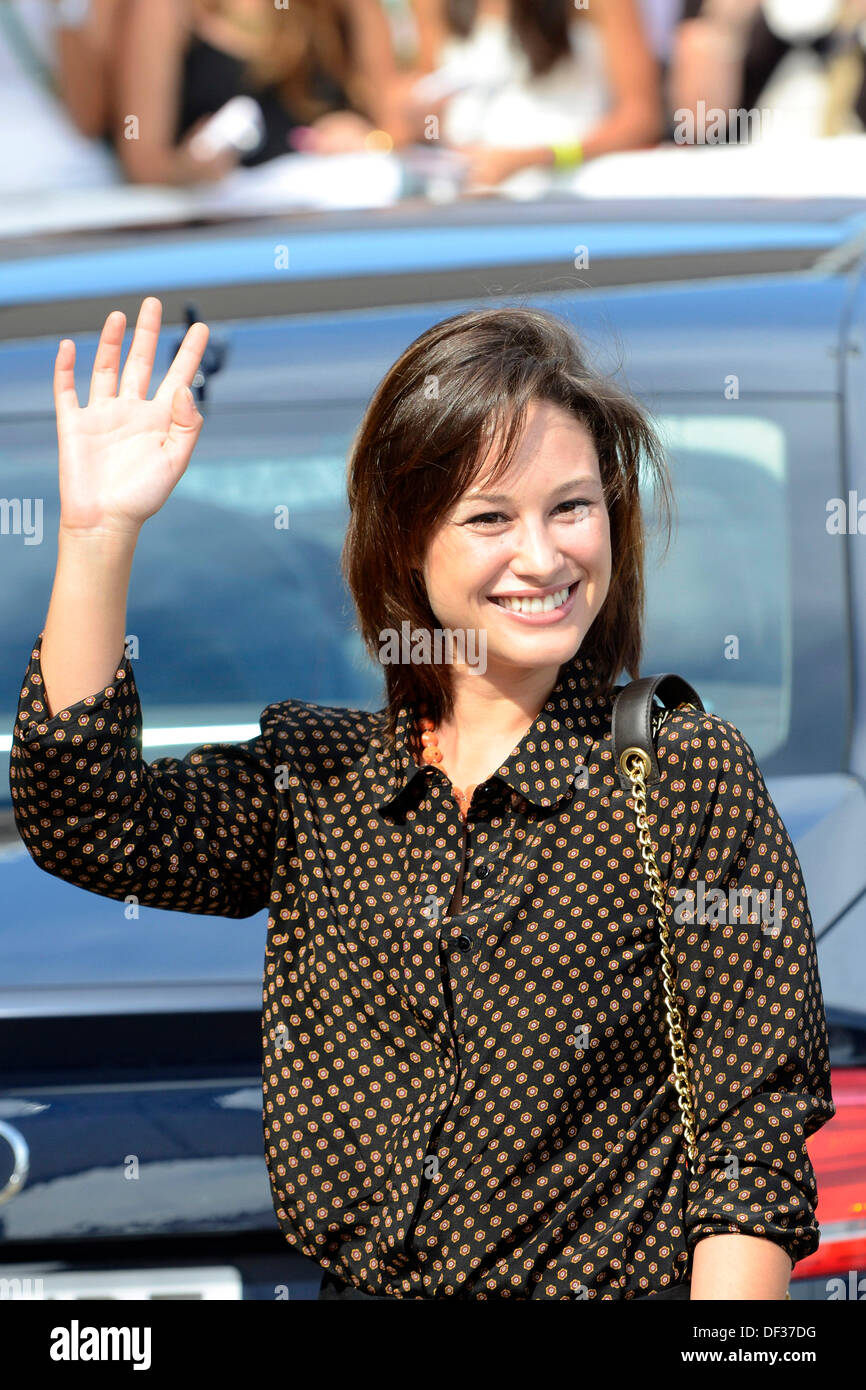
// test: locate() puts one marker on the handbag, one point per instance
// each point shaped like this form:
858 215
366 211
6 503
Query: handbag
635 723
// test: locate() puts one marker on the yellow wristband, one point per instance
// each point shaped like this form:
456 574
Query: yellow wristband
568 155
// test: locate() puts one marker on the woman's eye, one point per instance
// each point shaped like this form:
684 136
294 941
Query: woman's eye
491 518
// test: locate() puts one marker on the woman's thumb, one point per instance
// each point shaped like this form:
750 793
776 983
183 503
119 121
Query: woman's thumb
183 408
185 425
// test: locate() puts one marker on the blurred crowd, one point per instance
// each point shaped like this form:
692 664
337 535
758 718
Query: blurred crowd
502 84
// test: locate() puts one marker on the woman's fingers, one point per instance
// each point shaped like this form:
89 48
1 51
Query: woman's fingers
186 362
103 380
139 362
65 397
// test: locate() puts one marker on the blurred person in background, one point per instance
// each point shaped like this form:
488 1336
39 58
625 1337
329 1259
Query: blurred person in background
795 53
321 71
801 60
662 21
86 38
537 82
845 108
708 52
54 71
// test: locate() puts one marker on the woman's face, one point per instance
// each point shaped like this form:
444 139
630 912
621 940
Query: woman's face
545 530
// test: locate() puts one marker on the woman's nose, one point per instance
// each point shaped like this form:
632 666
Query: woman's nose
537 553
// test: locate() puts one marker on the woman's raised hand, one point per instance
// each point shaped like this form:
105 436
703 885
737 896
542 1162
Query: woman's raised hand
121 454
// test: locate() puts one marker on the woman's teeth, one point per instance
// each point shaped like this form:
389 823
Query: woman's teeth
535 605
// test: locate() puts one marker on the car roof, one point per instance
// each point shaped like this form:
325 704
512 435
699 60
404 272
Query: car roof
417 253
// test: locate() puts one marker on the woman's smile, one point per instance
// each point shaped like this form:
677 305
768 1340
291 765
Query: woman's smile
539 611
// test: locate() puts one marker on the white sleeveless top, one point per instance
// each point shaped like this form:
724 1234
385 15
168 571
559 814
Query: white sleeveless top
507 104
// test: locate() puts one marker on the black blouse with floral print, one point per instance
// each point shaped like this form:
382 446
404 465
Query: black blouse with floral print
467 1083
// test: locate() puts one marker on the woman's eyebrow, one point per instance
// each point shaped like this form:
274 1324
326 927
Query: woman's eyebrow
583 481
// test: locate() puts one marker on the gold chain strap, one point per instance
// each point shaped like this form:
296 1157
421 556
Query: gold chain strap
635 765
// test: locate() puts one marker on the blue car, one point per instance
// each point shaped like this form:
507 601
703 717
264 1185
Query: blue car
131 1151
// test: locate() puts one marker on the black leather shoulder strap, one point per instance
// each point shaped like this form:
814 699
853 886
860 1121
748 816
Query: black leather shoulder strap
631 721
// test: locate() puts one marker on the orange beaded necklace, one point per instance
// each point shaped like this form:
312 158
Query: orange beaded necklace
432 753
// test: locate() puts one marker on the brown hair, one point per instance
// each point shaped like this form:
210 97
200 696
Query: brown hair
462 384
304 49
540 26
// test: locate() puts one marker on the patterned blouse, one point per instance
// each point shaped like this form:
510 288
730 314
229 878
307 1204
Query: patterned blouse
467 1082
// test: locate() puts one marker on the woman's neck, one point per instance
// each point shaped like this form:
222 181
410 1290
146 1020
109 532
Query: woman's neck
489 719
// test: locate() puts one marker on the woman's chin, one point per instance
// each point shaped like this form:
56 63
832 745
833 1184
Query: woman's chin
539 648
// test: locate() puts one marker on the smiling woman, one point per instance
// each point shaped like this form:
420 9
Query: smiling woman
467 1088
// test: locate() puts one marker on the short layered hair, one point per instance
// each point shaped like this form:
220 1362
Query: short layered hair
457 391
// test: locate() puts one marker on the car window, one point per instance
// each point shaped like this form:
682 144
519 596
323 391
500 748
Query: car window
727 577
749 603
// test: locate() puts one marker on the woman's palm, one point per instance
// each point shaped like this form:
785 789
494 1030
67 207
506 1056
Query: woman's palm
121 454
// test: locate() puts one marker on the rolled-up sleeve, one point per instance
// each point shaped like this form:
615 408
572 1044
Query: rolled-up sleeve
747 973
192 834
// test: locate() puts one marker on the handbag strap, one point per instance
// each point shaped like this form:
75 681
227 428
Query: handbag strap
635 724
633 710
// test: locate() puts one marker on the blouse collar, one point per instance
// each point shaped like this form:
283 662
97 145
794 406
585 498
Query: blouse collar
544 762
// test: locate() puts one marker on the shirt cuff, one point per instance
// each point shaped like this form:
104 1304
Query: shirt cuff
768 1200
59 763
85 717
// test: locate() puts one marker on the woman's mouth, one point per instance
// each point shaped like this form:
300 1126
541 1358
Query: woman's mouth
539 611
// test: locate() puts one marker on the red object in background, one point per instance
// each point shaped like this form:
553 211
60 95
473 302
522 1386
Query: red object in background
838 1154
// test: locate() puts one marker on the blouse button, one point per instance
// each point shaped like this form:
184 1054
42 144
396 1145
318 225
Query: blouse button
464 942
484 870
